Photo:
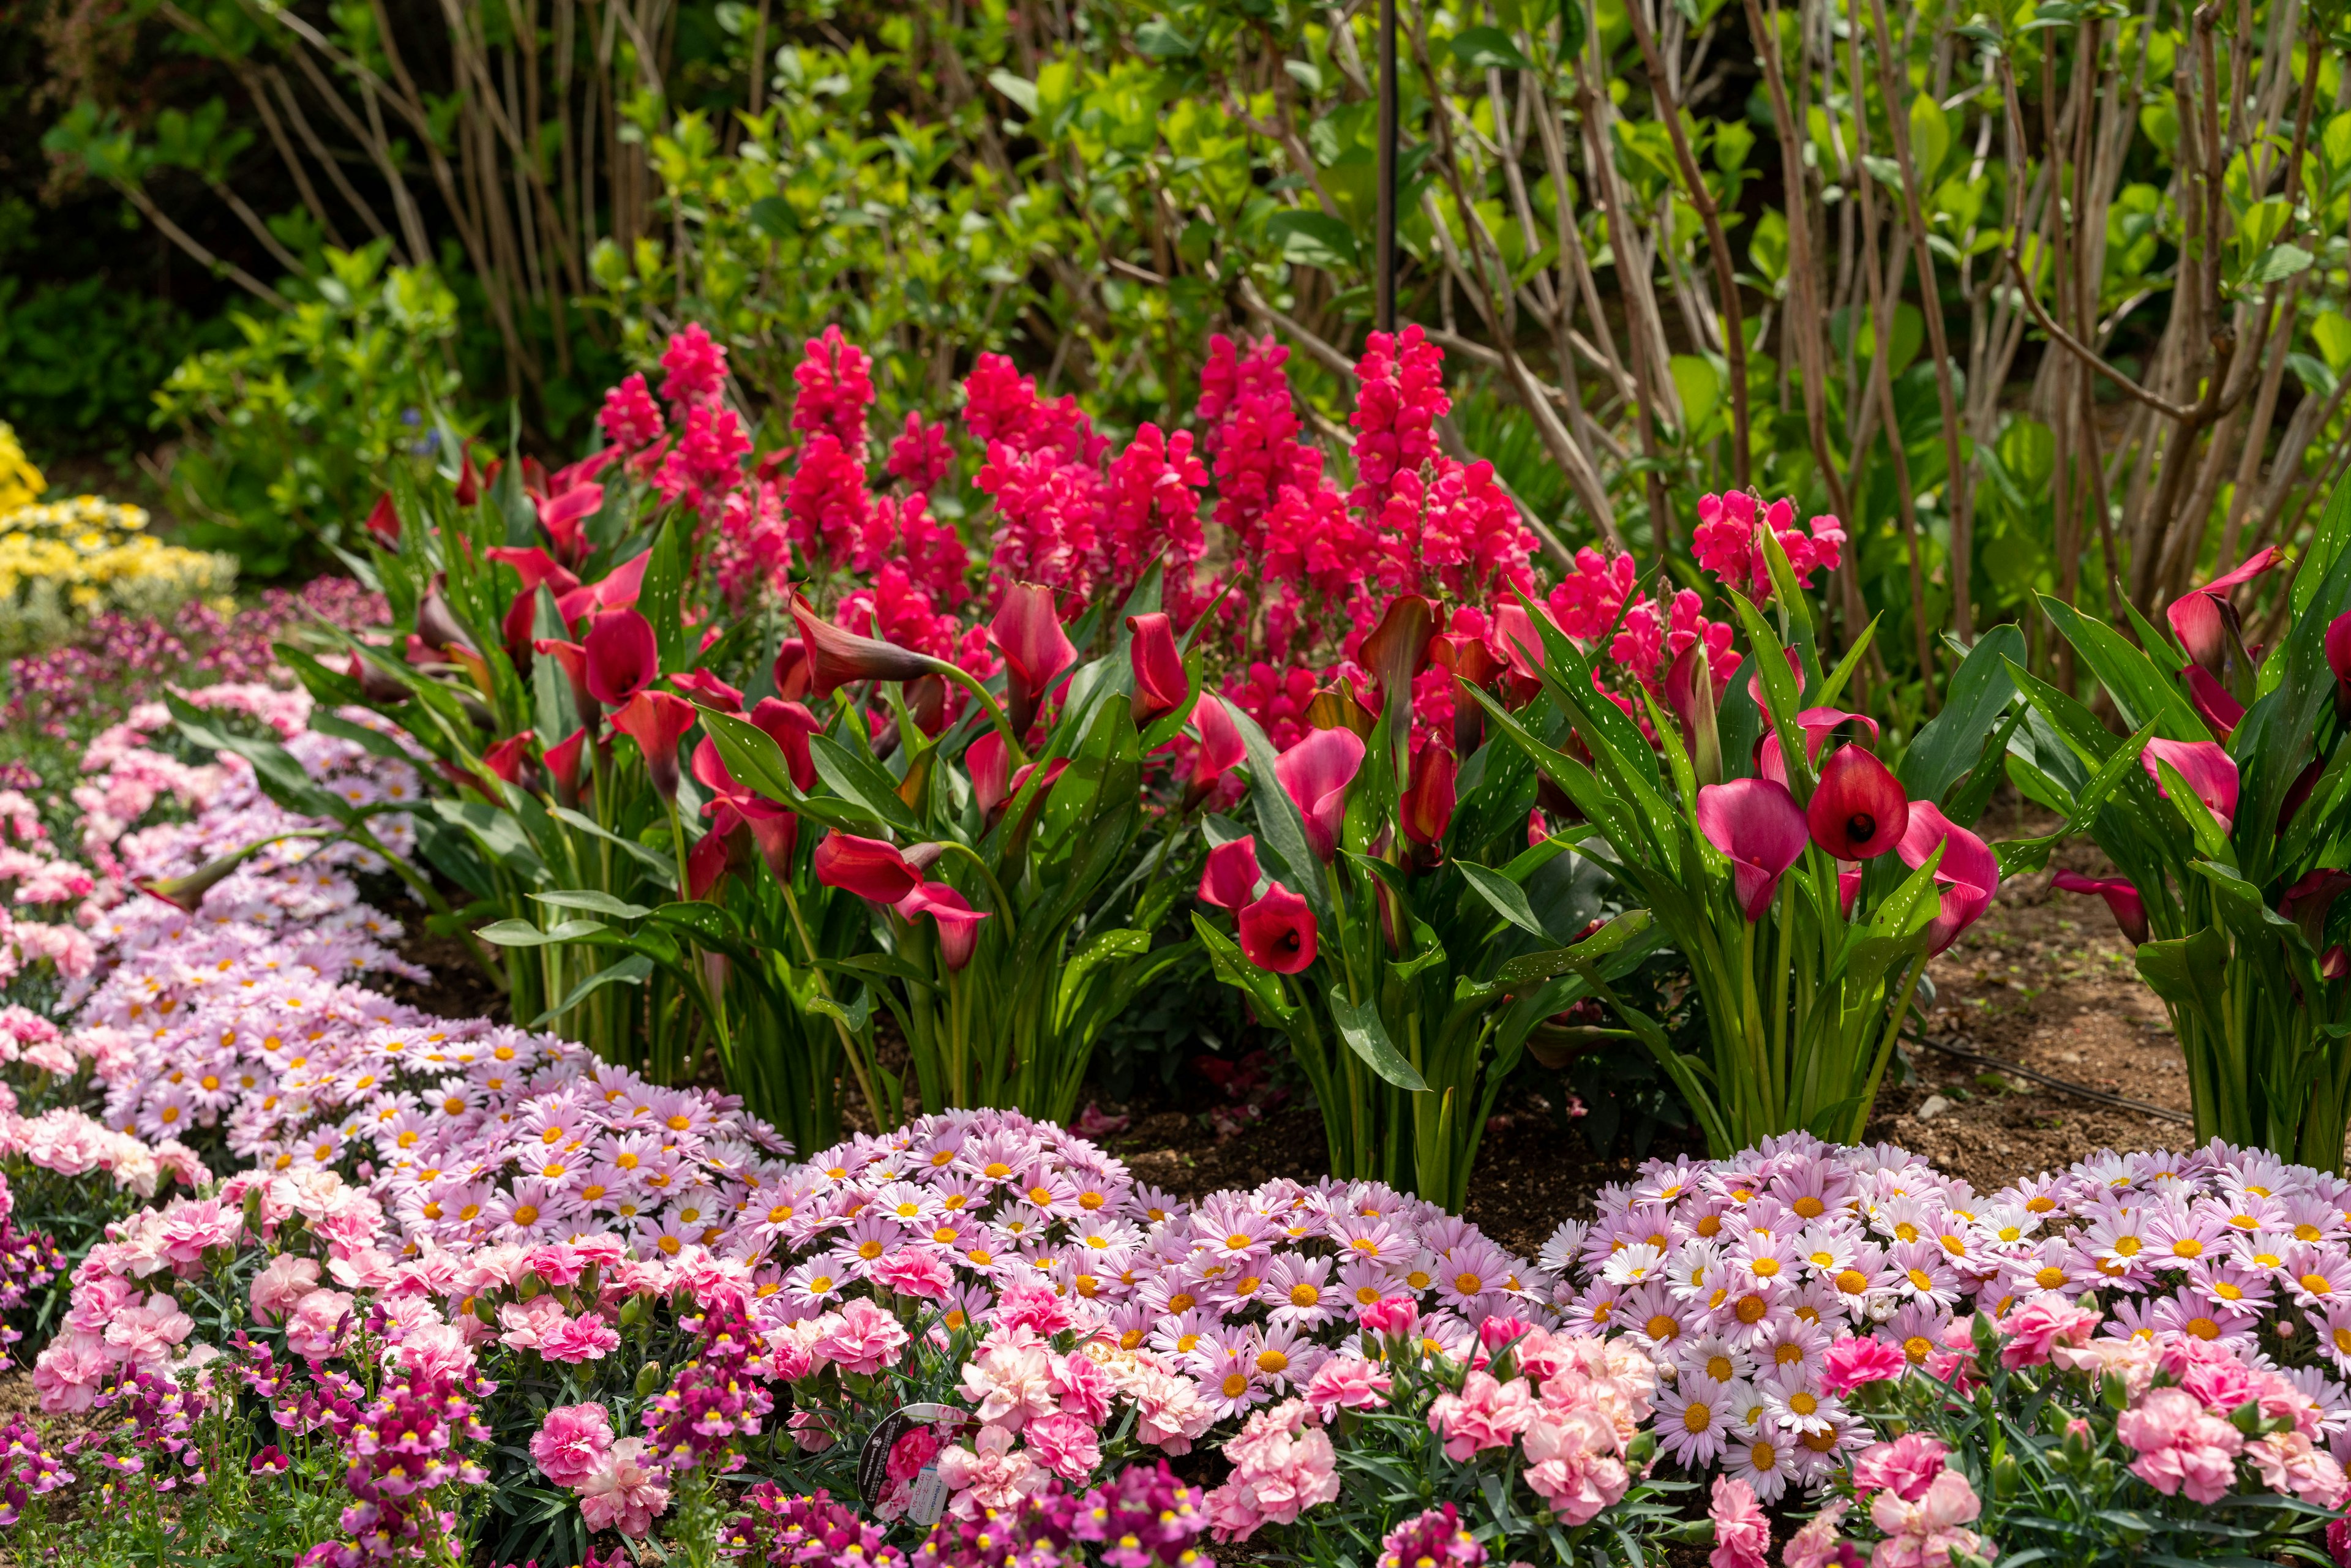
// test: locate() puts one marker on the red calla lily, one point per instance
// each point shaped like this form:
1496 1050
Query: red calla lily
2209 770
1859 810
2312 898
706 862
838 658
1819 723
623 656
574 659
1848 888
2204 619
2221 712
2130 909
563 759
657 721
870 868
1759 829
2338 659
1161 683
1968 872
957 921
790 724
437 625
509 758
516 631
1427 804
1397 649
384 522
1036 650
709 690
792 672
1229 879
1221 748
1277 932
561 516
990 767
1315 774
534 567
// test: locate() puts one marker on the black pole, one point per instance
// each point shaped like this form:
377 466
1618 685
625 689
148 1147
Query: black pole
1385 264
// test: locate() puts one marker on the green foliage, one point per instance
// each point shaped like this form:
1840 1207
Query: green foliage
79 361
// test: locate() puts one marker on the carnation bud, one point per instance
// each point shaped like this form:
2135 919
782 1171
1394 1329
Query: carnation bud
253 1210
2005 1477
485 1310
529 1286
649 1377
633 1311
1987 1337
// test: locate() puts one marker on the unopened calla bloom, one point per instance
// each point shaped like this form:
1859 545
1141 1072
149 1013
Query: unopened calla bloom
1427 804
2130 910
2338 659
867 867
1221 747
2208 770
791 669
1315 774
838 658
1036 650
563 760
1859 810
574 659
990 767
1229 879
657 721
1690 695
1759 828
508 758
561 516
790 724
2203 618
437 625
2220 711
958 923
1397 649
1968 872
384 522
1160 682
623 656
1277 932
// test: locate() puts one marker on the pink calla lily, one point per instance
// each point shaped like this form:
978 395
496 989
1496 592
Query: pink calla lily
1229 879
1859 810
2208 770
1428 798
1221 748
1968 872
957 921
657 721
2221 712
1278 931
1315 774
1819 723
2130 909
623 656
870 868
1759 829
1161 684
1036 650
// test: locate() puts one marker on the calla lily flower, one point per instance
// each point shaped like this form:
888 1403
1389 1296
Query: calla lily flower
657 721
623 656
1036 650
1848 888
708 691
574 659
1819 723
1522 645
2130 910
437 625
563 760
1161 684
792 672
1315 774
374 684
777 835
515 630
1690 695
534 567
790 724
562 514
2338 659
2312 898
1229 879
1428 798
1859 810
508 758
1277 932
990 767
1221 748
2204 618
870 868
2221 712
1759 829
2209 770
706 862
1969 872
384 522
1755 682
838 658
957 921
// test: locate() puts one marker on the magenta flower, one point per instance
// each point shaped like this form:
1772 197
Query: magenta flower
790 724
869 868
1229 879
1758 827
1277 932
1742 1534
1428 798
1969 872
2130 910
2200 618
1036 650
384 522
1819 723
957 921
1315 774
1161 684
657 721
2338 659
1859 810
2208 770
2212 702
990 767
1221 748
563 760
837 658
562 514
621 658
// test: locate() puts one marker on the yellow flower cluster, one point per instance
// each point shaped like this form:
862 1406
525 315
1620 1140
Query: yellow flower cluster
21 484
63 562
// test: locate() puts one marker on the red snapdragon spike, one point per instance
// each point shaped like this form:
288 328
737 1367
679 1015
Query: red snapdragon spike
437 625
1859 810
623 656
706 862
1315 774
1397 649
657 721
2221 712
574 659
562 514
792 670
1427 804
957 921
509 756
2130 909
709 690
2207 769
790 724
777 836
534 567
869 868
1277 932
838 658
1229 879
384 522
563 765
990 767
515 630
1221 748
1969 872
1759 829
1819 723
1036 650
1161 684
1848 888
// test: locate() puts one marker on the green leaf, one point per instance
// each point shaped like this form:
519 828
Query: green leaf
856 1016
1367 1036
1612 938
2141 692
1309 238
1489 48
1156 40
660 595
630 971
1264 990
281 777
1507 897
1698 385
1281 829
2277 264
1022 92
592 901
857 779
2191 972
660 865
751 755
523 934
1947 746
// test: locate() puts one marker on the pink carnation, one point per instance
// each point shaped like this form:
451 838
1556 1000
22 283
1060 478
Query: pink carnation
2182 1446
571 1443
1850 1362
2035 1328
1905 1466
1484 1415
1347 1383
623 1493
863 1339
1741 1534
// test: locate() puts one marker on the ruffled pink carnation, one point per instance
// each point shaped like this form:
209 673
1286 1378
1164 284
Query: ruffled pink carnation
571 1443
2036 1327
862 1339
2182 1446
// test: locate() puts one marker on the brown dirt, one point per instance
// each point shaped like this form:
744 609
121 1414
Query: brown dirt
458 989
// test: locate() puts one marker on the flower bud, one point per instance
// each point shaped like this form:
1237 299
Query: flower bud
649 1377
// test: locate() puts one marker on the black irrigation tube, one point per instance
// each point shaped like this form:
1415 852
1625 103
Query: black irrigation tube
2081 1091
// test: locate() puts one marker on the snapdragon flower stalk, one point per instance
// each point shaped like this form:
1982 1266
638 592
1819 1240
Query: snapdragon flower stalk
1808 887
1389 917
2229 835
